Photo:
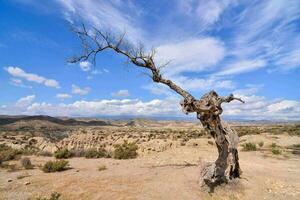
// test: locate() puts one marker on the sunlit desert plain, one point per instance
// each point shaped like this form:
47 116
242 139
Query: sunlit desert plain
163 160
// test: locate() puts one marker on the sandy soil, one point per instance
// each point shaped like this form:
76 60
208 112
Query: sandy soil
158 176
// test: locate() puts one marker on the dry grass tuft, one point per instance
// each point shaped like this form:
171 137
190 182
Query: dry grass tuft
102 168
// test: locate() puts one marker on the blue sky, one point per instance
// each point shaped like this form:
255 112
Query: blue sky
249 48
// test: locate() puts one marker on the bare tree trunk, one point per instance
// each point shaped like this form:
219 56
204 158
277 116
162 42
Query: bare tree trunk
226 167
208 108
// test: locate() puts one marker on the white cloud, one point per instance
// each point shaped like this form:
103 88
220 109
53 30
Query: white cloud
19 83
85 66
105 14
21 74
289 61
271 34
259 108
191 84
80 91
192 55
242 67
19 107
210 83
255 108
134 107
207 13
284 106
121 93
210 11
25 101
249 90
51 83
63 96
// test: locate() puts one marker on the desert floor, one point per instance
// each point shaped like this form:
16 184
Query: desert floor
161 175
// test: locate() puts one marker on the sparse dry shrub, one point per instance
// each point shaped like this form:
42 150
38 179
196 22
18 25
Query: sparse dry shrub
246 130
55 166
125 151
297 146
54 196
62 154
102 167
261 144
93 153
182 143
295 149
7 153
273 145
276 150
28 150
249 146
26 163
10 167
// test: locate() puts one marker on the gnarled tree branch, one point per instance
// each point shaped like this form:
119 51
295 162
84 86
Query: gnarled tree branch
208 108
97 41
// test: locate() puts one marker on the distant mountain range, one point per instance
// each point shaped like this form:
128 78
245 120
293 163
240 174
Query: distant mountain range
5 119
116 121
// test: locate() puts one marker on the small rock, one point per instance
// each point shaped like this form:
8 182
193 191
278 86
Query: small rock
77 170
9 180
26 183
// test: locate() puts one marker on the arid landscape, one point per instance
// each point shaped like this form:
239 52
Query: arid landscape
150 100
169 157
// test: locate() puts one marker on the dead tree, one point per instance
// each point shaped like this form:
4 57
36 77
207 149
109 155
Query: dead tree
208 107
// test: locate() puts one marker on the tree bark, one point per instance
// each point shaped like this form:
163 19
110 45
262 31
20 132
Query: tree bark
226 167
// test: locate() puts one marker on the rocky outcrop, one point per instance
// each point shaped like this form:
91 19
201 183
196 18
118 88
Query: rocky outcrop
43 144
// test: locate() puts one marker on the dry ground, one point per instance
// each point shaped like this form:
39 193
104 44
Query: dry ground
158 176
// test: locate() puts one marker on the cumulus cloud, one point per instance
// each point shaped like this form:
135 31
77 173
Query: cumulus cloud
25 101
63 96
203 83
80 91
19 107
21 74
85 66
113 107
284 106
259 108
255 108
192 55
121 93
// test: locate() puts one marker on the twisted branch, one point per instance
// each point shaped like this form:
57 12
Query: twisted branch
95 41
